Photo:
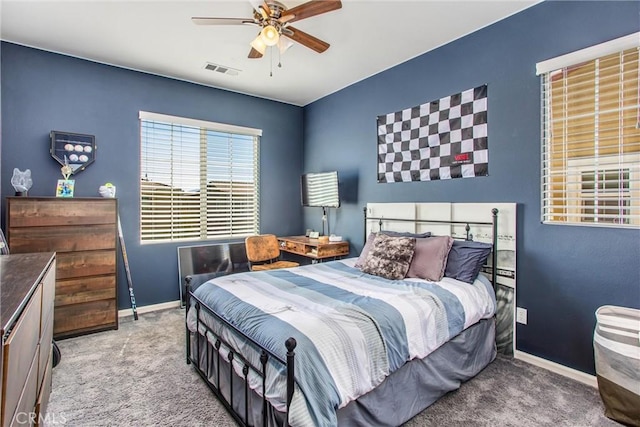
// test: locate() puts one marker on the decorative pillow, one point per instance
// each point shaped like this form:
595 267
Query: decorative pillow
430 258
365 250
465 260
390 257
367 246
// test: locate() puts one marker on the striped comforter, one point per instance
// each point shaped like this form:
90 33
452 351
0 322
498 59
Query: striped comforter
352 329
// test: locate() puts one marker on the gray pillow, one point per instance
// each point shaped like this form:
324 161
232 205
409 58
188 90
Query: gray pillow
465 260
430 258
390 257
365 250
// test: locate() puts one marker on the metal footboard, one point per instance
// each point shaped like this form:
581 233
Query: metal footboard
214 350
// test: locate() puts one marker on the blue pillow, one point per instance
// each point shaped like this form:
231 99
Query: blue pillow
465 260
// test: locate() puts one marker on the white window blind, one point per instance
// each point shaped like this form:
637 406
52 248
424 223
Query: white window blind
199 180
591 138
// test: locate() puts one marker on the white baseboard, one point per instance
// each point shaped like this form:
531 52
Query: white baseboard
574 374
149 308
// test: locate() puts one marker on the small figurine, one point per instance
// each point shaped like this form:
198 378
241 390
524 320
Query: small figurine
21 181
107 190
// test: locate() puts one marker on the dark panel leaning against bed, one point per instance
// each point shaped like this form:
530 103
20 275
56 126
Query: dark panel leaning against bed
267 307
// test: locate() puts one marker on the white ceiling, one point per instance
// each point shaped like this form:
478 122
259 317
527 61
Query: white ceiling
157 36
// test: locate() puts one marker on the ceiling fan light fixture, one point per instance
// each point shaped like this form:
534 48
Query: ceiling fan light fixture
259 45
269 35
284 44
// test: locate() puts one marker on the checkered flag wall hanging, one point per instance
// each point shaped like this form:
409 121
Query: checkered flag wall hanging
442 139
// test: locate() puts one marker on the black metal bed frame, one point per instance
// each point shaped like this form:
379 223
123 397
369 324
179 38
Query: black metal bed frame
261 370
265 354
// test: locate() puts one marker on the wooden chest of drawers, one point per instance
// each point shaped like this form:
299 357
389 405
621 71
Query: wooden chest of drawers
27 283
83 233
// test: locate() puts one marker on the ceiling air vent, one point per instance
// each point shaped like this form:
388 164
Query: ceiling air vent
221 69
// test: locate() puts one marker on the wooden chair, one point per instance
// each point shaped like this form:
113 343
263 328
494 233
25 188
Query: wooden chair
263 253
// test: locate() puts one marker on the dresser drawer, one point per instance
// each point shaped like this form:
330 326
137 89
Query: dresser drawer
45 347
62 239
85 289
80 318
85 263
30 212
20 350
48 294
24 413
43 396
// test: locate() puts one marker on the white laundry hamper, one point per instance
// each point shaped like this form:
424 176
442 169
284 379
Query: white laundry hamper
616 345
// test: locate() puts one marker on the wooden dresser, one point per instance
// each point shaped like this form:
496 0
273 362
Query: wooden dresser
27 284
83 233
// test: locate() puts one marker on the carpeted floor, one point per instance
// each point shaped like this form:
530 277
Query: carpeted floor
137 376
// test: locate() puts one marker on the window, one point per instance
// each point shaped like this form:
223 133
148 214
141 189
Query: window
591 136
198 181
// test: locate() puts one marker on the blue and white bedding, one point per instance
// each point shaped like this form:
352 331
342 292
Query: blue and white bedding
352 329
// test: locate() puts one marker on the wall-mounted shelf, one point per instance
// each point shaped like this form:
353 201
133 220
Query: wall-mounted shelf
76 150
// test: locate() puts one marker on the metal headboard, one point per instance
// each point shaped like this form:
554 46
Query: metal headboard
493 223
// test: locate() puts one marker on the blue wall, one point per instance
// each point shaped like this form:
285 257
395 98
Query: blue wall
43 91
564 273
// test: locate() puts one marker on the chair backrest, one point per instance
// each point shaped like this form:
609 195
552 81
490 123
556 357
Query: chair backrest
262 248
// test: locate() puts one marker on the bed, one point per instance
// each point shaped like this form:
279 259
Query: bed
330 344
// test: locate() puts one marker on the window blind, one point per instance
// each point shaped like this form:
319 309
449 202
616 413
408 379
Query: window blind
198 182
591 142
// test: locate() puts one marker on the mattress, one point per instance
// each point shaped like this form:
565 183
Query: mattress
353 330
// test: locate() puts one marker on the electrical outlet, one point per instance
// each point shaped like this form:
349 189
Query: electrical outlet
521 315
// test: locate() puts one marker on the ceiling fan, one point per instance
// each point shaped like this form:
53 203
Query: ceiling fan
275 20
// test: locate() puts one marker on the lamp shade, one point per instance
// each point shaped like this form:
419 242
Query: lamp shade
283 44
259 45
269 35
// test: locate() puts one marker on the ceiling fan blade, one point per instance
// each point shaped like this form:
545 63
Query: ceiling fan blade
221 21
286 18
306 39
254 54
311 8
266 8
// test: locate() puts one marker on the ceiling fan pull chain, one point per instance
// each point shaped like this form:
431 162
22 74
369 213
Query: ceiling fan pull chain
270 62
